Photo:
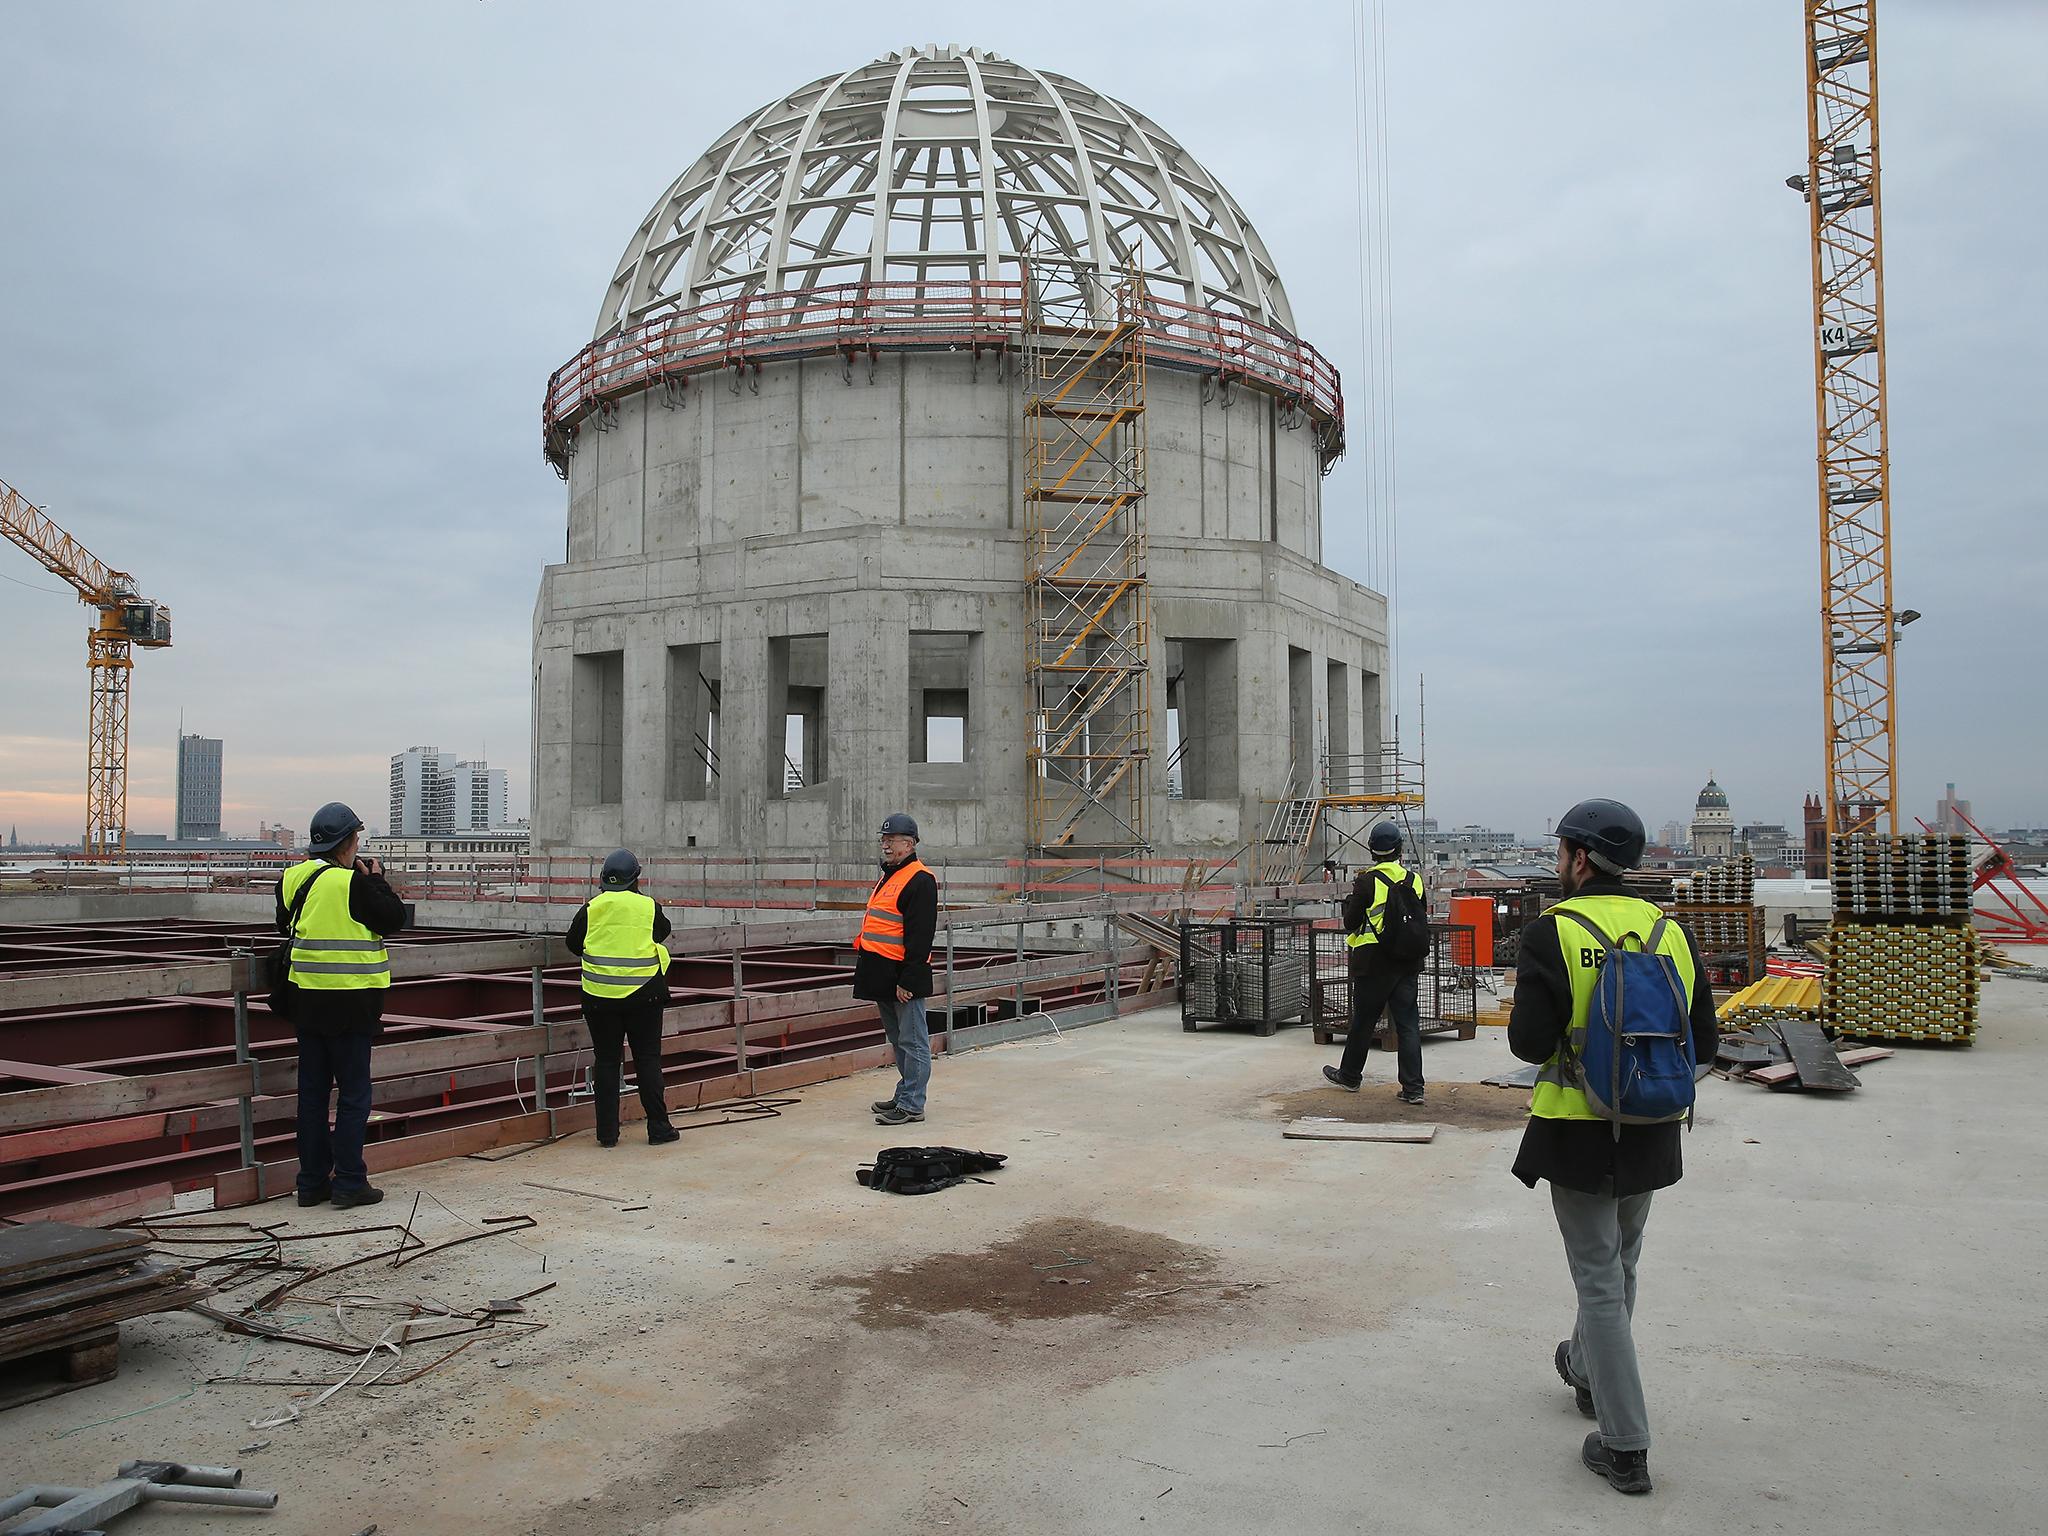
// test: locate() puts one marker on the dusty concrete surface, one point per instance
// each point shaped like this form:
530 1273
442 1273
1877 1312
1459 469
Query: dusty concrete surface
1840 1319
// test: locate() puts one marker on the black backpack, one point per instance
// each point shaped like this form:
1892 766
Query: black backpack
1404 921
921 1170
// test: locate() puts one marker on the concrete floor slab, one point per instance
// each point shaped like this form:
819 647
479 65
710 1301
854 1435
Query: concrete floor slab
1839 1318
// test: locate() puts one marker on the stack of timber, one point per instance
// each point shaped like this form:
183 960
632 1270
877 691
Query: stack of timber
1892 879
63 1292
1902 955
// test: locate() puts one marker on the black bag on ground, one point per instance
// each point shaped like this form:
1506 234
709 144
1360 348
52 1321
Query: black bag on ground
921 1170
283 990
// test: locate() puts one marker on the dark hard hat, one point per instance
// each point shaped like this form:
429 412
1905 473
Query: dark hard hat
899 825
1608 830
621 869
333 825
1385 838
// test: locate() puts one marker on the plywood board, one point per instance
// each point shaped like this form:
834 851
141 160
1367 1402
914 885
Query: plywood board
1347 1130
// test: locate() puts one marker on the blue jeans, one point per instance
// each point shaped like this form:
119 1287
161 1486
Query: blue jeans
333 1158
911 1038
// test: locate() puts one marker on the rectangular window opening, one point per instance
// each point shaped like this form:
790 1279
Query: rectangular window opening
1201 719
798 666
597 728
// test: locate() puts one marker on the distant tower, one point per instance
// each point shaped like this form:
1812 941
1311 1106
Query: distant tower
1713 828
1816 839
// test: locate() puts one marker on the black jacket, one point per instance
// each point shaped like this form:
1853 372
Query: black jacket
373 903
653 991
1581 1154
875 979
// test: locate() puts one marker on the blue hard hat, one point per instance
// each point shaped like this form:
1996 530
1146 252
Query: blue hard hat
1385 838
621 869
897 824
333 825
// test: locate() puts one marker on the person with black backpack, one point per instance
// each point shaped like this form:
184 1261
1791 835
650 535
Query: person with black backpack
1386 936
1612 1001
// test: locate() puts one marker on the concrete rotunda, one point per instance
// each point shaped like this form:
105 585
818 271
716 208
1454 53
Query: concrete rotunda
793 595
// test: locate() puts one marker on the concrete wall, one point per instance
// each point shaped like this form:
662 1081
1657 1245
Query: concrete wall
882 511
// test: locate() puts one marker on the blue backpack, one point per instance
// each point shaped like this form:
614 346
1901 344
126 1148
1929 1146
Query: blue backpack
1637 1067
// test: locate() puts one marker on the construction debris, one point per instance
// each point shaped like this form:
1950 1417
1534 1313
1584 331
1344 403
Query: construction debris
136 1482
63 1292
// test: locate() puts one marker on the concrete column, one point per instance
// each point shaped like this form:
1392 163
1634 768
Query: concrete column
867 710
1262 721
644 771
743 728
552 714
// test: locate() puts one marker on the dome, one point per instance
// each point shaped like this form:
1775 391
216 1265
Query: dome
936 165
1713 797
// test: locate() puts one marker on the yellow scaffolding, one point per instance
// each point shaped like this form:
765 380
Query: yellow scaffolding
1087 661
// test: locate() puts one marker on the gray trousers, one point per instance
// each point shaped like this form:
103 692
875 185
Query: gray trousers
1603 1237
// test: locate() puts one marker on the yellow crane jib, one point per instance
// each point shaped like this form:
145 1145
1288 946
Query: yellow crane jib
124 619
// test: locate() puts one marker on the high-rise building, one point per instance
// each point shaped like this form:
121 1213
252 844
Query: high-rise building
433 793
198 809
476 798
1945 817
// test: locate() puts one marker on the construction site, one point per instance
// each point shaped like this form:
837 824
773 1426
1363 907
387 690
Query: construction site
947 444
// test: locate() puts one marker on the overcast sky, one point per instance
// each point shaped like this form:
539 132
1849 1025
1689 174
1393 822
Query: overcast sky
280 288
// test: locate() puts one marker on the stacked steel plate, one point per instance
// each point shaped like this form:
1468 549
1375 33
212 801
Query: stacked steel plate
1902 956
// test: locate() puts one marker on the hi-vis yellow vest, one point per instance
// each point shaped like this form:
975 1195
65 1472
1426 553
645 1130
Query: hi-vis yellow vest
619 953
331 951
1395 875
1558 1095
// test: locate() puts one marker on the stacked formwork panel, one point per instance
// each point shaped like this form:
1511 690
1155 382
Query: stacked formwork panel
1718 905
1902 954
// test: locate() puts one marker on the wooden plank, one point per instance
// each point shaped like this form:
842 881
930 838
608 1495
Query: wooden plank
66 1294
30 1338
1820 1069
1348 1130
34 1107
25 1249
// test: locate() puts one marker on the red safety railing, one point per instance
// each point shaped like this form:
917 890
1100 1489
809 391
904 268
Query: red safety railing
850 319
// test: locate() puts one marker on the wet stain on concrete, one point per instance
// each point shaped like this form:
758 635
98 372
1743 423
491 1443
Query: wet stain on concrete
1468 1106
1061 1267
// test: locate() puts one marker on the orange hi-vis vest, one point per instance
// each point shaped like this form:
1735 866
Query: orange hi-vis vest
881 928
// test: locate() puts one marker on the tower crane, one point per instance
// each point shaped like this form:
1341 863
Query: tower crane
125 620
1859 627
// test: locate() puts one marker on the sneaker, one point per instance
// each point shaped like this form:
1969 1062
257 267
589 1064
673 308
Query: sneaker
661 1135
895 1114
882 1106
369 1194
1348 1084
318 1196
1581 1388
1625 1471
1411 1096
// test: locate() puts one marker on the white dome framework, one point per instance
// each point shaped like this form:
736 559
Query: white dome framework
942 165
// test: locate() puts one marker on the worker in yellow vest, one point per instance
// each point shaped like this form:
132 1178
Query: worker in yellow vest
892 965
338 910
1378 980
618 934
1601 1173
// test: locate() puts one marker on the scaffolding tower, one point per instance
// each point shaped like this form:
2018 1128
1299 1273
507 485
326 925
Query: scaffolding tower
1088 661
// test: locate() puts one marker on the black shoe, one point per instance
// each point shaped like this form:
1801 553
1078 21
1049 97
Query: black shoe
661 1135
882 1106
1411 1096
895 1114
369 1194
1626 1471
1581 1389
1348 1084
318 1196
607 1141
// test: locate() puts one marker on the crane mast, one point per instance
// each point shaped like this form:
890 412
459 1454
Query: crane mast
123 620
1859 629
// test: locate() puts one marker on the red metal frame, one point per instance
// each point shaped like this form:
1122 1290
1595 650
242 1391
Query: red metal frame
1997 876
849 319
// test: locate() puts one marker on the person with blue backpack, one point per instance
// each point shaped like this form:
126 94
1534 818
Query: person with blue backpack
1612 1000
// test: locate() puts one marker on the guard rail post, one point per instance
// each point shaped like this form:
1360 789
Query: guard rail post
540 1062
739 1016
949 986
245 1102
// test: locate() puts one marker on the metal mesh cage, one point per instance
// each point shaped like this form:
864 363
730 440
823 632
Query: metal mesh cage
1446 993
1245 971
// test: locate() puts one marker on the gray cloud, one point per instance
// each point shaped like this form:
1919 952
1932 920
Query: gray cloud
282 288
